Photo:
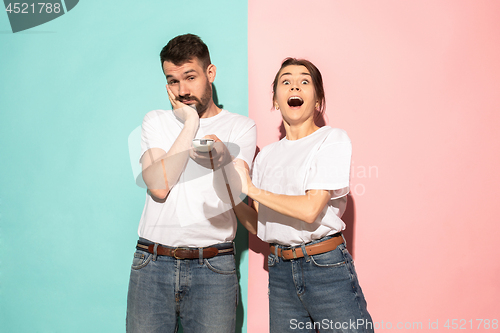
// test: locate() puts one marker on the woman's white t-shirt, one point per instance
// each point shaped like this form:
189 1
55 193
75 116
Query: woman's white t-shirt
320 160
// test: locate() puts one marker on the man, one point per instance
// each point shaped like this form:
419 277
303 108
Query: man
184 265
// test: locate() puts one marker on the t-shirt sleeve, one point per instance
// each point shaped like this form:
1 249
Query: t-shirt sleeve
151 134
246 142
330 167
256 178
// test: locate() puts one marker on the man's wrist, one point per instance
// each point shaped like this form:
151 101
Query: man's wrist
191 125
192 121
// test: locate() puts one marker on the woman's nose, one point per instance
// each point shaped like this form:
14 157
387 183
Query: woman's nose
295 88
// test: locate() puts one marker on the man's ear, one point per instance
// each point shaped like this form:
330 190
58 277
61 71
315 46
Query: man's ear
211 71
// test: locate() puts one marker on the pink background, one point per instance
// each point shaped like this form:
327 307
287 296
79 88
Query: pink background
415 84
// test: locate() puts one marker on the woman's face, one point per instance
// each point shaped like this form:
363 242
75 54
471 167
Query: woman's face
295 95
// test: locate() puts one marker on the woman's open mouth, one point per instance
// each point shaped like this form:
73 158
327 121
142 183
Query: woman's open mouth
295 101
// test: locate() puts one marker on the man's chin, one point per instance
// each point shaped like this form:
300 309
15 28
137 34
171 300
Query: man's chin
200 108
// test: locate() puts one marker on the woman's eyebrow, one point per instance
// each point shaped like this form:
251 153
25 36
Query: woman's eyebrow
291 74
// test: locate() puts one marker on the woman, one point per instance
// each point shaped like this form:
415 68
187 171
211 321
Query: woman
299 187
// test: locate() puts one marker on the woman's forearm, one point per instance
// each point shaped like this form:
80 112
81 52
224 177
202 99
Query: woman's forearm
303 207
247 216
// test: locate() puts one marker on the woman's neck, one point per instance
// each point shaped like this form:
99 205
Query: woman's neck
299 131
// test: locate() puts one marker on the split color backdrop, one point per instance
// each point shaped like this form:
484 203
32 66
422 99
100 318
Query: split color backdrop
71 92
414 83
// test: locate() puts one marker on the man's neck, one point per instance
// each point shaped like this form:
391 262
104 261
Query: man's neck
211 111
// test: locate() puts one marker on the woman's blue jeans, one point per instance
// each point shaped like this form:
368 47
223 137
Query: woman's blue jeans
316 293
203 294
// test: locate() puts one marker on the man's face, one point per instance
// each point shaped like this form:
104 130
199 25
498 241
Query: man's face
190 84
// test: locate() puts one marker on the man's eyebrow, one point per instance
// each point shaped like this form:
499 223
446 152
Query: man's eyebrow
189 71
185 73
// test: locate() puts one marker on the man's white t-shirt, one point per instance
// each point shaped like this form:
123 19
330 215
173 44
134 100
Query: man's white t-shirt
193 215
320 160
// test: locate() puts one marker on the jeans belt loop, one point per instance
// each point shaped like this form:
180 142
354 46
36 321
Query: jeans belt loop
304 252
155 251
294 253
200 255
276 251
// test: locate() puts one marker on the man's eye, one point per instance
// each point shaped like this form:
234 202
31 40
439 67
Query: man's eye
191 78
171 83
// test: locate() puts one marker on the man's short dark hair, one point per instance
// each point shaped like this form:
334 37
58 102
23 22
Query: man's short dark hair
184 48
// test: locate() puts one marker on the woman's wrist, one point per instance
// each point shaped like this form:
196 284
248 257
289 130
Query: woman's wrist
252 191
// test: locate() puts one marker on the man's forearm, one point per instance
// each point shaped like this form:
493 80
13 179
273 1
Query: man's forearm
161 172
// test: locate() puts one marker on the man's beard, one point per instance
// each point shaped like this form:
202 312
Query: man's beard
203 103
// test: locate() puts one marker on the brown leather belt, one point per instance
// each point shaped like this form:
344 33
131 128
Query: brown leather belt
185 252
316 248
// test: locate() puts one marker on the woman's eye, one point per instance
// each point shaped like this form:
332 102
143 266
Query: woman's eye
286 82
305 82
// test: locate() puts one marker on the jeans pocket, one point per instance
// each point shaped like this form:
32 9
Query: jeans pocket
332 258
271 260
141 259
221 264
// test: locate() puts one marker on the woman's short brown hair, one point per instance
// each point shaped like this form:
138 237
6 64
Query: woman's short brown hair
315 76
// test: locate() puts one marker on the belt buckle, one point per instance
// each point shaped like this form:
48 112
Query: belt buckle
175 254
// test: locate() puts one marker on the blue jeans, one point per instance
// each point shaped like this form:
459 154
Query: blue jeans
203 294
319 292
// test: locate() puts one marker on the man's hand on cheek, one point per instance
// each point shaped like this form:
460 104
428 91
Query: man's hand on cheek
181 110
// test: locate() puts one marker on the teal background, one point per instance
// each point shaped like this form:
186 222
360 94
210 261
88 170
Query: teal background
71 92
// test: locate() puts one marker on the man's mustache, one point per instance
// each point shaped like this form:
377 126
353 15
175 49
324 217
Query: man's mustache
185 99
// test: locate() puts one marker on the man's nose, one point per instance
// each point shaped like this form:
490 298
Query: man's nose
183 89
